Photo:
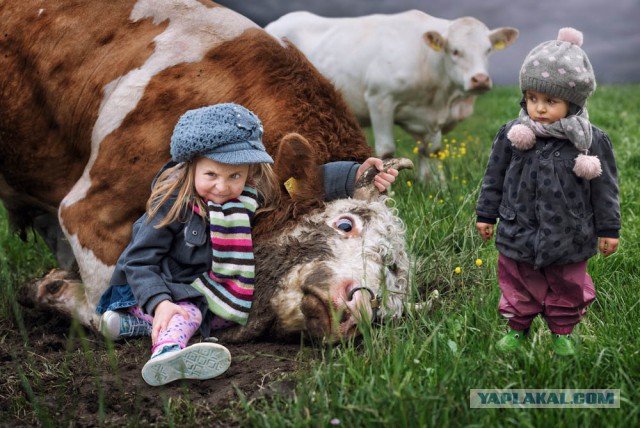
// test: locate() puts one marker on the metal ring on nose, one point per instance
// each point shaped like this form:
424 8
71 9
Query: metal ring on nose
375 301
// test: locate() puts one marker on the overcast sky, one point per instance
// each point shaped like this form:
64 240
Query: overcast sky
611 27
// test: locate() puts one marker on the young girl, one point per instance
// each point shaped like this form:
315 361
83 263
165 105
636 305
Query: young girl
552 181
190 264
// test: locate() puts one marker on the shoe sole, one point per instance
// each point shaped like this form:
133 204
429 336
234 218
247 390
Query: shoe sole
200 361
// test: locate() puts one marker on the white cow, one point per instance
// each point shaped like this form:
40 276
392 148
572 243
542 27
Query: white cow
411 69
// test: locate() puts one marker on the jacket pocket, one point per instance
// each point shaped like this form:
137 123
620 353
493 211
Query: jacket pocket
584 229
195 233
507 226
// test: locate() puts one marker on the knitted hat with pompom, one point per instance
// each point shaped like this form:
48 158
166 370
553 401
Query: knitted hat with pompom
560 68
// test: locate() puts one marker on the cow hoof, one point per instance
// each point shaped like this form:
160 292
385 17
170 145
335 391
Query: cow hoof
54 284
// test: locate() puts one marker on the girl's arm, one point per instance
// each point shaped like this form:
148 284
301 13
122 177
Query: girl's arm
340 177
143 261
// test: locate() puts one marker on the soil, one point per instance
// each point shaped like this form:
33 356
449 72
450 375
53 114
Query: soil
55 373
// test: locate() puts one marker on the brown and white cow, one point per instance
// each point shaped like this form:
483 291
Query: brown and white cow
411 69
89 93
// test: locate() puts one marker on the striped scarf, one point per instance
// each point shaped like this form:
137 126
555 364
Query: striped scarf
228 286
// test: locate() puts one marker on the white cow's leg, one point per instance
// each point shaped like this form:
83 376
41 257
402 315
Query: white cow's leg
431 144
381 110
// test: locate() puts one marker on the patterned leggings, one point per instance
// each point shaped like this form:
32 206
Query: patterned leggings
179 330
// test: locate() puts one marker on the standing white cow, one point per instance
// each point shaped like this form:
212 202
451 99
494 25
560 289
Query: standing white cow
412 69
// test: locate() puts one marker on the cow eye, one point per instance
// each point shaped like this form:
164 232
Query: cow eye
344 224
456 52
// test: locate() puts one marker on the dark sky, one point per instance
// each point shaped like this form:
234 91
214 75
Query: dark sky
611 28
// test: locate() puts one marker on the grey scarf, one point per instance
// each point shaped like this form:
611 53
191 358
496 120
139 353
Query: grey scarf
575 128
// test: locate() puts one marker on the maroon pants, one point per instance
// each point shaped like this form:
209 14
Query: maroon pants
560 294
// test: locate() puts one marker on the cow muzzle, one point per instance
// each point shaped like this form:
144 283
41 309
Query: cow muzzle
480 83
332 318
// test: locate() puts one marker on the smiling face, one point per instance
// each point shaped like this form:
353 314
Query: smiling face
545 109
219 182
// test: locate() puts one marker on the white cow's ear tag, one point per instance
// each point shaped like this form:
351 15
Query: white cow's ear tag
434 40
291 185
499 46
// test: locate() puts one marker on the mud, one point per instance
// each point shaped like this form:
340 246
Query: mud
55 373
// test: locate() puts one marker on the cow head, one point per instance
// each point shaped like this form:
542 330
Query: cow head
466 47
332 265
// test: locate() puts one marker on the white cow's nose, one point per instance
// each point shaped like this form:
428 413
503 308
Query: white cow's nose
480 81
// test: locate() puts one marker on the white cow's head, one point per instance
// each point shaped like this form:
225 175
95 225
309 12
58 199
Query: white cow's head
466 46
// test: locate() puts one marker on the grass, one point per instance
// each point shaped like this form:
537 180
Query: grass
419 371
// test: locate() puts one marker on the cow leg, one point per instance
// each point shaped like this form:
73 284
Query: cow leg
381 113
48 227
432 144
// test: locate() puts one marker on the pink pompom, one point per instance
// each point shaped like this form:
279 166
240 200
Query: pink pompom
571 35
587 167
522 137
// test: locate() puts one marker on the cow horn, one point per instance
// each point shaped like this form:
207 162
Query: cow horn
365 189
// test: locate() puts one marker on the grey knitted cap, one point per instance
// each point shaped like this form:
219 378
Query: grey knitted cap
560 68
225 133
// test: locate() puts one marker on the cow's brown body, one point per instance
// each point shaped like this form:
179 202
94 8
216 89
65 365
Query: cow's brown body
90 92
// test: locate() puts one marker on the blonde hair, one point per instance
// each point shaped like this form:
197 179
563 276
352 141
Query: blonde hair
178 183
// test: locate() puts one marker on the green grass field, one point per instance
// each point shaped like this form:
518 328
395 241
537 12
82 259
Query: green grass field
419 371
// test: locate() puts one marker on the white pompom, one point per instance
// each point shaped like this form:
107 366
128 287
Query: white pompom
587 167
522 137
571 35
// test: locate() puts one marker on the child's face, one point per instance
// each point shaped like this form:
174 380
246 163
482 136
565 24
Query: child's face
544 108
219 182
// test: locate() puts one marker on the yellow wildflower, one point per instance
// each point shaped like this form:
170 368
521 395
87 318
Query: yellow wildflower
478 262
457 269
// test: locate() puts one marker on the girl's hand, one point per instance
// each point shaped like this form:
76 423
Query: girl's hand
383 179
163 314
485 230
608 246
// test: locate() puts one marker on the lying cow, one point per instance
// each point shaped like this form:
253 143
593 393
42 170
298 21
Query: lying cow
86 115
417 71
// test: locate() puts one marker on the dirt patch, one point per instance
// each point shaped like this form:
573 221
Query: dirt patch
54 371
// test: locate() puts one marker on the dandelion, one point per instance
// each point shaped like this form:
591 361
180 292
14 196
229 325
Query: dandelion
409 183
441 201
478 262
430 196
415 150
464 181
458 269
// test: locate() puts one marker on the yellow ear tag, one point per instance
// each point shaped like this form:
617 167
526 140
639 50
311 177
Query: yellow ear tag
499 46
291 185
435 46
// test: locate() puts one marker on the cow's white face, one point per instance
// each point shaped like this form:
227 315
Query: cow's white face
467 50
351 244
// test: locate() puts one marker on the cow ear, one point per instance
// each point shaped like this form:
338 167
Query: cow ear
366 190
296 167
434 40
503 37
